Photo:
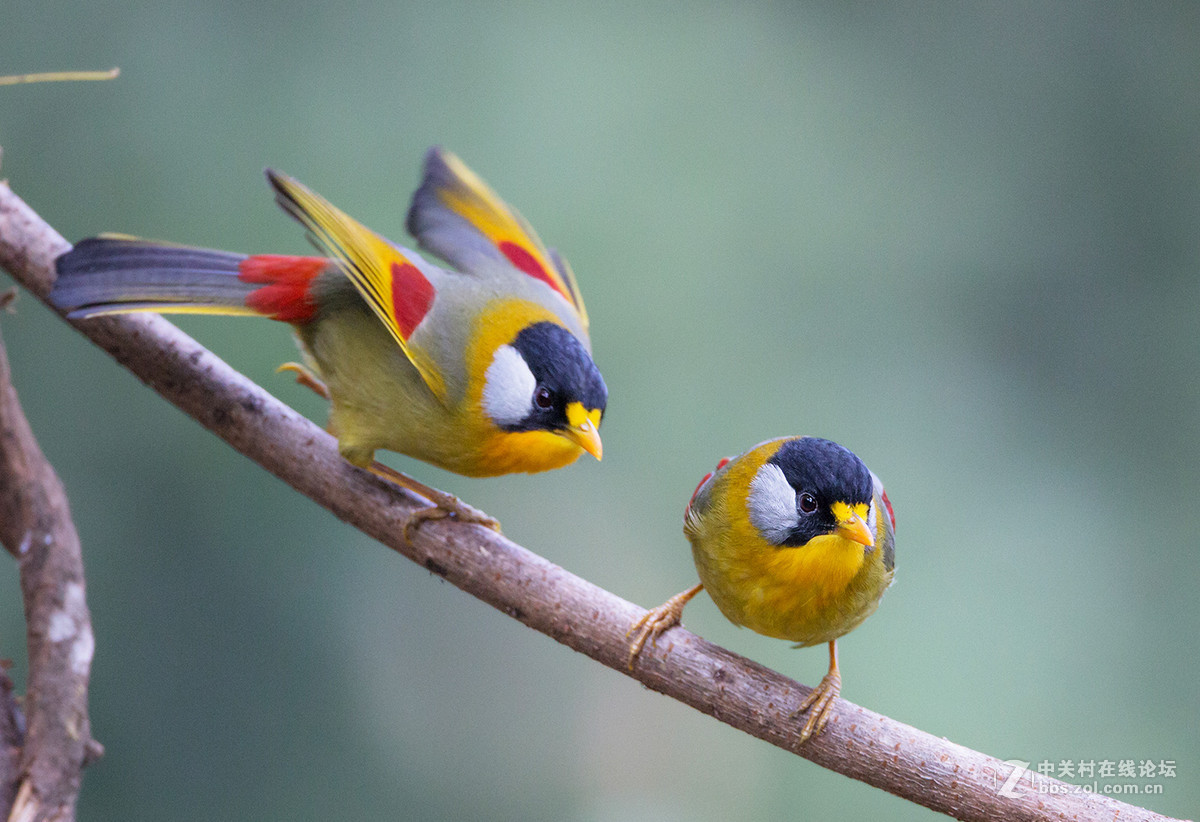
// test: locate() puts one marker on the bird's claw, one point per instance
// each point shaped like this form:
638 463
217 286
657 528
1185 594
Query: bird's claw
306 377
447 505
656 621
444 505
652 623
819 704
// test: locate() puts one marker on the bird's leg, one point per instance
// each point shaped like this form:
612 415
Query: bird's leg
306 377
819 701
444 505
657 620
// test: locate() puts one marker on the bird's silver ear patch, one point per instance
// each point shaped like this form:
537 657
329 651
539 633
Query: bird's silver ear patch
771 504
508 387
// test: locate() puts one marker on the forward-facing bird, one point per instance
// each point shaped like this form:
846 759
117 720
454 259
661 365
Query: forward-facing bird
792 539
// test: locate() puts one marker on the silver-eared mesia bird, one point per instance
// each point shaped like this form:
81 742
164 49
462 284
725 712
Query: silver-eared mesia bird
483 369
792 539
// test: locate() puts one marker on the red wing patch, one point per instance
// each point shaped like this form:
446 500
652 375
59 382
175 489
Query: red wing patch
521 257
449 188
699 485
720 464
285 295
887 503
412 295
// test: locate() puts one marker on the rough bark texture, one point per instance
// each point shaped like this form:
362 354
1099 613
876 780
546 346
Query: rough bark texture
12 739
36 528
892 756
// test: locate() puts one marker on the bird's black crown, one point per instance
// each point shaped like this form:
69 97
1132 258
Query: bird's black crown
827 471
562 367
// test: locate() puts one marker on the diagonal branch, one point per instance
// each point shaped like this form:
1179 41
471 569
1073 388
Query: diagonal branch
859 743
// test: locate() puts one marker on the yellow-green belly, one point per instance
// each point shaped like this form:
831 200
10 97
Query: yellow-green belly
380 401
809 594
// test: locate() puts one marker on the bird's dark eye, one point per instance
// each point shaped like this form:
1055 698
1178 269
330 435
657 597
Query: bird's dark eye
808 503
542 398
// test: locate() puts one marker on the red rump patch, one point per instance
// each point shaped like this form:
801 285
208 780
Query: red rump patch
412 295
522 259
285 295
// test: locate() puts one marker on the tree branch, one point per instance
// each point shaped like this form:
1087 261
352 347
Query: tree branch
36 528
859 743
12 741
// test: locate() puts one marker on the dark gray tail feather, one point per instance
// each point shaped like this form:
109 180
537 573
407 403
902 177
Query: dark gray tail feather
104 275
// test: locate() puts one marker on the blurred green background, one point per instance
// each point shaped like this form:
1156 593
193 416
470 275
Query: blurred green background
961 239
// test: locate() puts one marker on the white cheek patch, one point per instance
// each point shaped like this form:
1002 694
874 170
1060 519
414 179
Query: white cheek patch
508 387
772 504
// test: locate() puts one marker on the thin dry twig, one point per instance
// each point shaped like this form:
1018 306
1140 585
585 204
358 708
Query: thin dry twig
59 77
859 743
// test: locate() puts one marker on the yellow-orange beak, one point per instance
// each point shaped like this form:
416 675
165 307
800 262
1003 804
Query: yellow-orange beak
851 525
583 429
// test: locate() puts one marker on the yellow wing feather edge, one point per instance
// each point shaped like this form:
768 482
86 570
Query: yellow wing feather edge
365 257
476 202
